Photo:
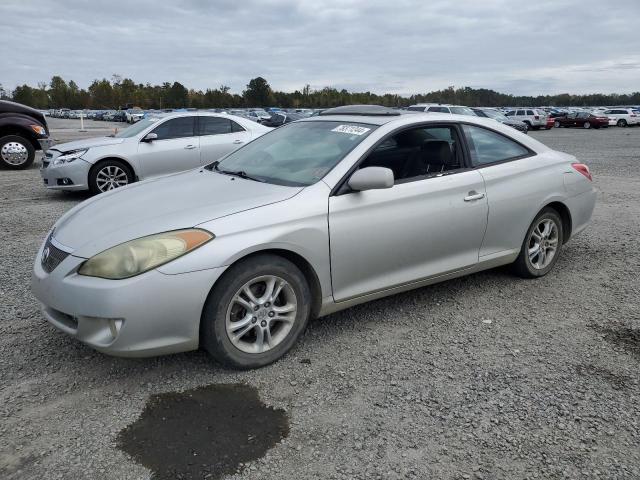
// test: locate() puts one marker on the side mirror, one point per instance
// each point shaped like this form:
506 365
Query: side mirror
150 137
371 178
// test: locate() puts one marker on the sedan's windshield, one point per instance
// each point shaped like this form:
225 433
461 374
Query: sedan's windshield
136 128
298 154
495 115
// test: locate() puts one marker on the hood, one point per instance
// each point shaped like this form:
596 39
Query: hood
173 202
87 143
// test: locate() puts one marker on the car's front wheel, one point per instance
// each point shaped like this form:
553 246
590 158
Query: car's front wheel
622 122
16 152
557 124
256 312
586 125
541 246
108 175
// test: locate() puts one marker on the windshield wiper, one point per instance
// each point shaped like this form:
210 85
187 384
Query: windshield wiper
237 173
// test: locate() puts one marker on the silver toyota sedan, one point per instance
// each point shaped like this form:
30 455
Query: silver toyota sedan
155 146
314 217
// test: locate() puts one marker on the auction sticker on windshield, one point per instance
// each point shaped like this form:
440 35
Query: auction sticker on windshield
351 129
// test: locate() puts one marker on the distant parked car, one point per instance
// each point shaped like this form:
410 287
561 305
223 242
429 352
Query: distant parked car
23 130
133 115
119 116
623 117
502 118
533 117
550 123
582 119
437 108
280 118
150 148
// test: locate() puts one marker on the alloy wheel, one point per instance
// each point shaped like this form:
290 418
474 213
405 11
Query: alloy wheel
14 153
261 314
556 124
111 177
587 125
543 244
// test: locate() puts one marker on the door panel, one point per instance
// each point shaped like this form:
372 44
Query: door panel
162 157
384 238
214 147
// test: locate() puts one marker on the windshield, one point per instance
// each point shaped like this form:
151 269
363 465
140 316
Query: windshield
298 154
136 128
463 111
495 115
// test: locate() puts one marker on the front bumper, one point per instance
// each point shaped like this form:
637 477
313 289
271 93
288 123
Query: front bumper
45 143
68 176
151 314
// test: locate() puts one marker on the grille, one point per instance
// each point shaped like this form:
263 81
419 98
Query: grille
52 256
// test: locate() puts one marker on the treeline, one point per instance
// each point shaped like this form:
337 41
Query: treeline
119 92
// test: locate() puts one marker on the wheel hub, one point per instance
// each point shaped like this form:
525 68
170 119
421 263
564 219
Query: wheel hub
14 153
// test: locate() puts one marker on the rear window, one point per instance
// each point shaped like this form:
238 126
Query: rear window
416 109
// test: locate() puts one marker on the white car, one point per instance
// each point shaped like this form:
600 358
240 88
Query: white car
134 115
150 148
533 117
441 108
623 117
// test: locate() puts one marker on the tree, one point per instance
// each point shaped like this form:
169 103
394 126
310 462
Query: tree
59 92
258 93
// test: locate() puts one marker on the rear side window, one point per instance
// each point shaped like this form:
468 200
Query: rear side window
175 128
235 127
438 109
487 146
530 112
520 112
416 109
214 125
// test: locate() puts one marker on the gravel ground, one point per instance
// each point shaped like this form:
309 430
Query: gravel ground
484 377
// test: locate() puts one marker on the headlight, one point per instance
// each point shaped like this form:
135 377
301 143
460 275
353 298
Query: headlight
69 156
143 254
38 129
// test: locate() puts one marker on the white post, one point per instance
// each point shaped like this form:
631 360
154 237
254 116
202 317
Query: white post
82 122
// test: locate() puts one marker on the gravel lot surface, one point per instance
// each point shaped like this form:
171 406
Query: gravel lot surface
484 377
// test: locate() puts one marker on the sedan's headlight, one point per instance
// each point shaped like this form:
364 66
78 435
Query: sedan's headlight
68 157
143 254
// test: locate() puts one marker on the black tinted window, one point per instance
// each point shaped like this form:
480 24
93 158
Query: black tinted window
175 128
530 112
439 109
487 146
214 125
235 127
416 109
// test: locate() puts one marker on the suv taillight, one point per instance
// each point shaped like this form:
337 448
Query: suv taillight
537 117
583 169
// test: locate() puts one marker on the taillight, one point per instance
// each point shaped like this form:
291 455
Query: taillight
583 169
633 115
537 117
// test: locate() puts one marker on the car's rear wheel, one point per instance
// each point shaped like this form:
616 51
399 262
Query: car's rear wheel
109 175
586 125
557 124
256 312
622 122
16 152
541 247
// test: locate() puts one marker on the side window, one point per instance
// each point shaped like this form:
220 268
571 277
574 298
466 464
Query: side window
235 127
214 125
488 147
438 109
520 112
510 113
530 112
175 128
418 153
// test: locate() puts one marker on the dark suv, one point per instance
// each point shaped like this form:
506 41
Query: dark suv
23 130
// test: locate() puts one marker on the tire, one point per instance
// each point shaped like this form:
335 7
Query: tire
557 124
622 122
586 125
100 173
537 127
16 152
530 265
221 312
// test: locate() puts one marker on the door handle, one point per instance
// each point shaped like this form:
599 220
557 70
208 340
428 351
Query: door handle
473 195
238 142
189 147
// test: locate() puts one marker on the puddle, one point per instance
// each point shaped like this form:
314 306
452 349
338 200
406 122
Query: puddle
203 433
627 338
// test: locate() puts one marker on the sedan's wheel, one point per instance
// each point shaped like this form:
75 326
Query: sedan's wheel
16 152
587 125
622 122
541 247
556 124
256 312
109 175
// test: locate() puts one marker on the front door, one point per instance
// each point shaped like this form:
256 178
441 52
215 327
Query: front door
177 148
432 221
219 136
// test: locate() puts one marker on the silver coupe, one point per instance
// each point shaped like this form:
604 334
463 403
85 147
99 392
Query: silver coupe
319 215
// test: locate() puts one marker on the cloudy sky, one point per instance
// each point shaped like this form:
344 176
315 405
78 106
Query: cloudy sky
395 46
